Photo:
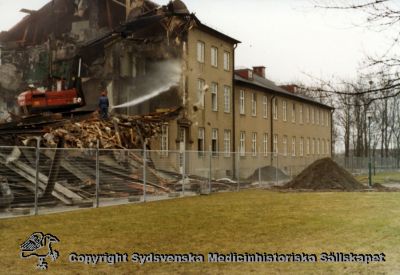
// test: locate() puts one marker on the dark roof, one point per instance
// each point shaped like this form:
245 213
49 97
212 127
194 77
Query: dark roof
212 31
266 84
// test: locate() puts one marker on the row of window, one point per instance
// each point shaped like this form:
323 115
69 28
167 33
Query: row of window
214 56
312 115
214 96
313 146
306 146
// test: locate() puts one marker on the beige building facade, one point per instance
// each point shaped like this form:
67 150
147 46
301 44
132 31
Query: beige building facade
226 111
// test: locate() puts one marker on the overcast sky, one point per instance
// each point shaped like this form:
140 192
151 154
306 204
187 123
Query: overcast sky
289 37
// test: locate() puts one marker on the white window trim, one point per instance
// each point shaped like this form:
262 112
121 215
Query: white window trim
301 147
227 61
214 94
265 104
227 99
275 146
265 143
214 57
214 136
293 112
253 104
242 145
201 46
254 144
227 143
293 146
242 102
284 110
275 108
201 136
301 114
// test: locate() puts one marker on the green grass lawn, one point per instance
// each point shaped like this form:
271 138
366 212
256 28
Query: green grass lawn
381 177
249 221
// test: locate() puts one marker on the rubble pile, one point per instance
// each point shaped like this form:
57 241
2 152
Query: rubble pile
325 174
119 132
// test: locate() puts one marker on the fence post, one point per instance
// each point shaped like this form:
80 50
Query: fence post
259 168
276 169
238 168
37 175
183 171
144 169
97 173
209 169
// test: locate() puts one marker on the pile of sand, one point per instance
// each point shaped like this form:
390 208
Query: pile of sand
268 173
325 174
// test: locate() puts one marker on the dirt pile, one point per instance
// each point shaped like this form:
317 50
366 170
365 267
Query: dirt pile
268 173
325 174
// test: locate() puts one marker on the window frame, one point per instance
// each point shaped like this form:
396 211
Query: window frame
214 57
214 96
242 102
201 47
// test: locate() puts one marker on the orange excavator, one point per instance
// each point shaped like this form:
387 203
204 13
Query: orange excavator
54 100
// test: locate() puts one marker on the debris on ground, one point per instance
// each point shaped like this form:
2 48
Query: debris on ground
325 174
268 174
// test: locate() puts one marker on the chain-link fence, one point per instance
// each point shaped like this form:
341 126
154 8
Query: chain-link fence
44 180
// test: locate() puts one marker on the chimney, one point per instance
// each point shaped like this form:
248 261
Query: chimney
259 70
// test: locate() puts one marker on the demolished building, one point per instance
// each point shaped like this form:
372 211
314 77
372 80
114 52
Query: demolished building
150 59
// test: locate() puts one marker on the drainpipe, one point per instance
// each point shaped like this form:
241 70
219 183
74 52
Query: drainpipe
233 145
272 129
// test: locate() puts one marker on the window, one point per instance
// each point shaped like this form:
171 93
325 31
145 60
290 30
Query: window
265 106
200 142
293 146
284 110
317 146
308 146
327 119
265 144
293 113
200 51
301 147
164 140
254 144
200 93
317 116
275 108
214 142
284 142
227 143
312 116
323 146
250 74
321 117
214 96
328 151
313 146
227 61
242 143
227 99
307 114
242 102
275 145
214 56
253 104
301 114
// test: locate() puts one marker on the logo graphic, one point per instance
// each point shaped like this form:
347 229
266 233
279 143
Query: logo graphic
39 245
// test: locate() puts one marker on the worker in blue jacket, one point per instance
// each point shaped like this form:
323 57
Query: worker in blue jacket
103 105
